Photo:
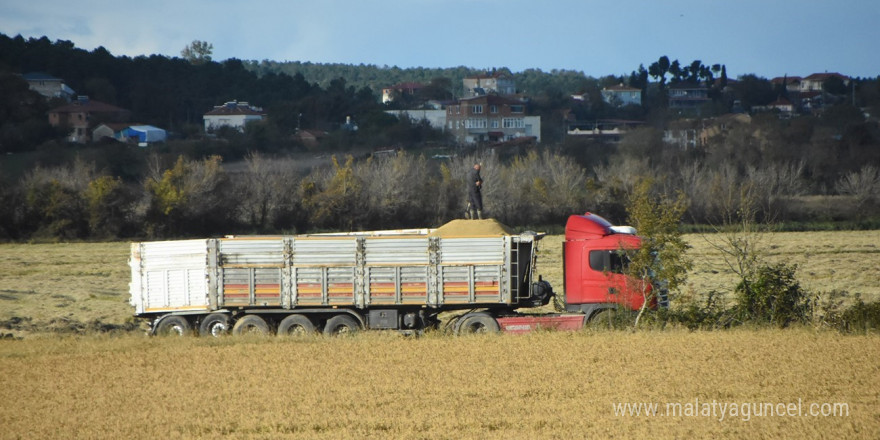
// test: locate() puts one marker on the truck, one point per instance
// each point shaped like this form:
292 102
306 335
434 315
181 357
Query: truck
484 278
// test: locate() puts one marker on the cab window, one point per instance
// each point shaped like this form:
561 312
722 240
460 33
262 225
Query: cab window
614 261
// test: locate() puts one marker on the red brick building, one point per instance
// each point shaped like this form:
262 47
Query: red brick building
82 115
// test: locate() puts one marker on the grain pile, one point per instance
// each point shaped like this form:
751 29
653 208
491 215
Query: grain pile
472 228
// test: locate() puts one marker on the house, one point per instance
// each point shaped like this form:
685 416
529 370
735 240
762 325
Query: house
721 126
110 130
783 105
232 114
812 101
816 81
621 95
692 133
490 118
498 83
684 96
83 114
792 83
49 86
609 130
683 134
140 134
145 134
389 94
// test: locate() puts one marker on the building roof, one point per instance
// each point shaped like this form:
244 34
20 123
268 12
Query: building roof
235 108
825 76
40 76
621 88
786 79
116 126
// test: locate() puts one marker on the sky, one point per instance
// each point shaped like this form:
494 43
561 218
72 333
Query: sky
767 38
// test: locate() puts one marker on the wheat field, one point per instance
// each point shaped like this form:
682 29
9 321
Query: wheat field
382 385
67 379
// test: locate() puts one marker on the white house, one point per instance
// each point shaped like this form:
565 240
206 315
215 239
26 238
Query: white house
621 95
48 86
816 81
233 114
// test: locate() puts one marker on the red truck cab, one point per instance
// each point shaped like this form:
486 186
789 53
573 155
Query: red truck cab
594 256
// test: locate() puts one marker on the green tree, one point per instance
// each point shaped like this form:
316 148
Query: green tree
109 206
332 198
190 198
198 52
661 260
658 69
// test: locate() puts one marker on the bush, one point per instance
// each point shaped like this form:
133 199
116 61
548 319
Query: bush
772 296
708 314
860 317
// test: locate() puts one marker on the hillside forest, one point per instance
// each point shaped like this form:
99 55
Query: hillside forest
813 169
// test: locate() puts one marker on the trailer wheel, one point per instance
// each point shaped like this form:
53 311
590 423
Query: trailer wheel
295 326
340 325
215 324
478 323
173 325
250 324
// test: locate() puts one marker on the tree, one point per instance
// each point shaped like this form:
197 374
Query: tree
659 68
264 191
189 198
198 52
661 260
835 86
108 204
863 186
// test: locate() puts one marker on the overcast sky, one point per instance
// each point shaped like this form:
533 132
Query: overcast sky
765 37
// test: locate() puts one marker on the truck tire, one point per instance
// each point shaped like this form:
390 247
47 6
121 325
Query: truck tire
250 324
173 325
478 323
295 326
601 319
340 325
215 325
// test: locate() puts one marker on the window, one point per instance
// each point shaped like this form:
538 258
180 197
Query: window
615 261
516 109
493 109
513 122
476 123
495 123
477 109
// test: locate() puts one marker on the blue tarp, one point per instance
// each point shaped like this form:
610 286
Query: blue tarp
145 133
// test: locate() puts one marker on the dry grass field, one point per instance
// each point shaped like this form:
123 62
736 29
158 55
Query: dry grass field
383 386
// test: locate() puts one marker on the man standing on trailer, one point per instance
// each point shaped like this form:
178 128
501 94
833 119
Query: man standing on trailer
475 196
